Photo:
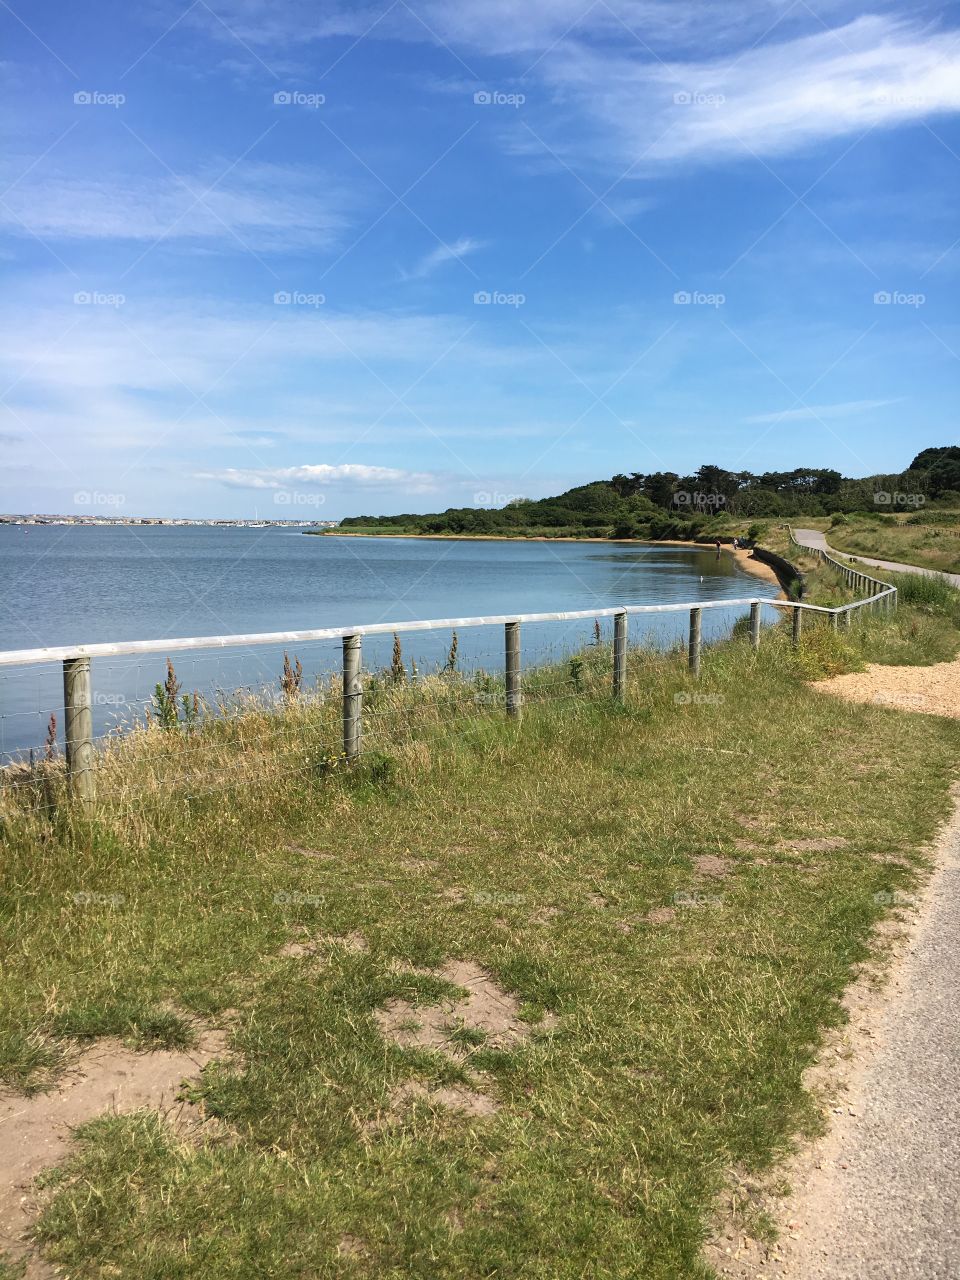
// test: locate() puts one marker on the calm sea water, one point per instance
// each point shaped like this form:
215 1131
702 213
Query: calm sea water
62 585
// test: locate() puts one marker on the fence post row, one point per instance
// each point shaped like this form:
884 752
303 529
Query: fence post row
512 667
78 691
619 655
78 730
693 649
352 697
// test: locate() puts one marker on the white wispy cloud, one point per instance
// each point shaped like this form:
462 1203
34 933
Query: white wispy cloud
443 253
782 76
504 26
847 409
266 206
776 98
325 475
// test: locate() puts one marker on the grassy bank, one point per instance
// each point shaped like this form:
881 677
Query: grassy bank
930 539
674 892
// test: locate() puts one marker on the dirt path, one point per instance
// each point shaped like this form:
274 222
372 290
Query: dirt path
879 1196
35 1131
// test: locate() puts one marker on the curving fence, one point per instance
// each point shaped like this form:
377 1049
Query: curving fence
854 578
77 660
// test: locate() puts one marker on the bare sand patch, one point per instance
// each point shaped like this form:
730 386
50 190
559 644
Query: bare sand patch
751 822
709 864
485 1009
813 844
483 1014
933 690
298 950
107 1077
354 941
417 865
456 1097
352 1247
660 915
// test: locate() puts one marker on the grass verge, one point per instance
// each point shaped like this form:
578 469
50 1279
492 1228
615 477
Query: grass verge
929 539
684 883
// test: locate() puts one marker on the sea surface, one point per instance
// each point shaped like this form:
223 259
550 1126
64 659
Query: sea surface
77 585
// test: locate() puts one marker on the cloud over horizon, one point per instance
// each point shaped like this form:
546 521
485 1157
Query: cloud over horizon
320 475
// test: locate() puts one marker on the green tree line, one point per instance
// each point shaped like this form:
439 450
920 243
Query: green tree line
664 504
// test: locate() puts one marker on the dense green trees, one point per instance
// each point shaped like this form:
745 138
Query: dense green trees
666 505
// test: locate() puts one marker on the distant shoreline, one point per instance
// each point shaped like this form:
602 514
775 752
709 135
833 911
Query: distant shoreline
742 556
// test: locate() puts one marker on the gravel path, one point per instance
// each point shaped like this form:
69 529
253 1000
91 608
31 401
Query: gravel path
882 1199
878 1197
814 538
884 1202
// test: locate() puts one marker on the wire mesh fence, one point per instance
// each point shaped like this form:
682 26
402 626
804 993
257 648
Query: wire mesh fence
128 689
206 712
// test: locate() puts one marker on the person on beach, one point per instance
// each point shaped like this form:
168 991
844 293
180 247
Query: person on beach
717 544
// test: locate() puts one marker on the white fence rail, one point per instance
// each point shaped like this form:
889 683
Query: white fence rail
854 578
77 659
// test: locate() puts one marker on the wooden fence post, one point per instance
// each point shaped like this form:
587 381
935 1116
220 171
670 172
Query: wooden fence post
352 698
512 653
835 621
694 646
619 655
755 624
78 730
797 625
845 620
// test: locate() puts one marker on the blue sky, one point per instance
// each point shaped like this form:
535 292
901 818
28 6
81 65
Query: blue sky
316 260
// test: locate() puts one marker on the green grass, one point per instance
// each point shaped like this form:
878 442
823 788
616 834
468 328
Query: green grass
933 542
925 630
535 849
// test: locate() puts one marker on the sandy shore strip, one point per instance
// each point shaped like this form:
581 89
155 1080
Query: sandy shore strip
758 568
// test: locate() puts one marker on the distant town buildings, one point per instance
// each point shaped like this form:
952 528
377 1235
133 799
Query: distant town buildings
36 518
